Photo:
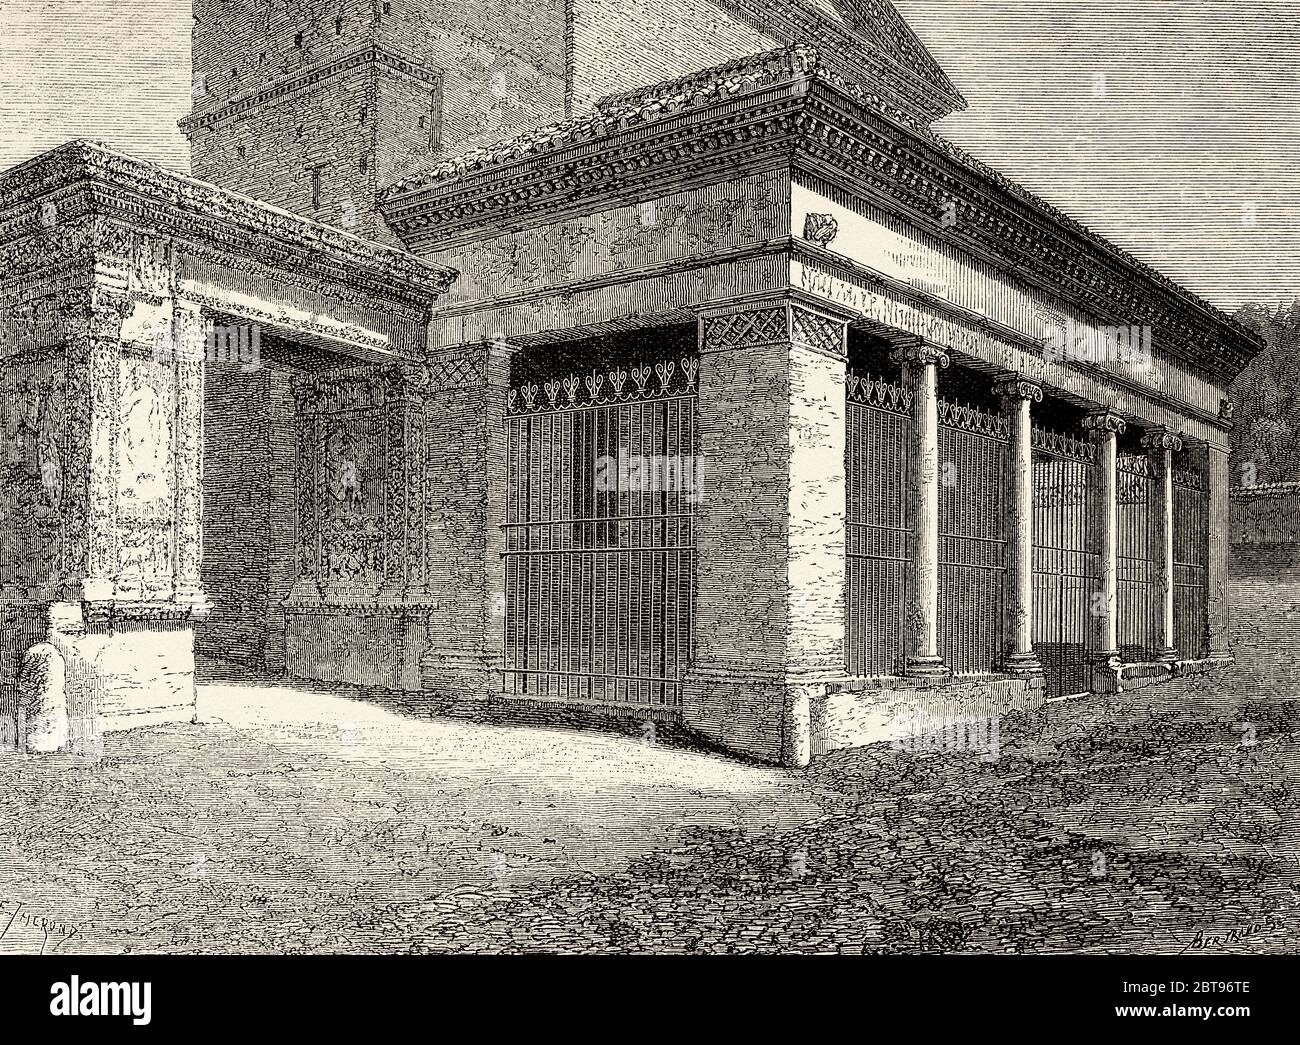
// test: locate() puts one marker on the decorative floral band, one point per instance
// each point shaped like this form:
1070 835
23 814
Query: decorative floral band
879 393
1063 445
665 379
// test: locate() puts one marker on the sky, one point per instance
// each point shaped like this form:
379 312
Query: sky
1170 126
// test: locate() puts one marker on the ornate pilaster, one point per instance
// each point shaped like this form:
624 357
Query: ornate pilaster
94 354
1161 444
464 497
921 364
1105 428
190 338
1018 395
404 388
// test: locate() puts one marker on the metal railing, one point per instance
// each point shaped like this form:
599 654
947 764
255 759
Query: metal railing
1065 563
1191 519
600 535
1137 586
878 435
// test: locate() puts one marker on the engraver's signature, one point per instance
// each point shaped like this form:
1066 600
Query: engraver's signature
51 929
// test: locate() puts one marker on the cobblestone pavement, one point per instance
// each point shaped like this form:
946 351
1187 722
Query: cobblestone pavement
293 821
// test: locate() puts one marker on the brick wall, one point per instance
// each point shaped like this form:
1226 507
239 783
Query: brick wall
250 443
618 44
474 76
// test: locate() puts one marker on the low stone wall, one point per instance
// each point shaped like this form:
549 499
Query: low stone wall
354 644
1264 528
964 713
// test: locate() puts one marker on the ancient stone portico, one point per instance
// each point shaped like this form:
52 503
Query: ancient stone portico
115 276
892 440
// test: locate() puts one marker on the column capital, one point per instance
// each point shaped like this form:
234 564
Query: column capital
921 353
1105 421
1013 386
1160 439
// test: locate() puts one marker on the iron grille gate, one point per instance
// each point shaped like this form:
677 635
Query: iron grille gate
1137 582
601 483
879 430
972 542
1191 519
1065 564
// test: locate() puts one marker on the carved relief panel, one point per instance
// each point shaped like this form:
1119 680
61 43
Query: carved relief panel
33 468
359 450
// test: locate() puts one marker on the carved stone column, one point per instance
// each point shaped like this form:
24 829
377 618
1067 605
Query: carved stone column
1017 396
770 537
1161 443
1105 429
921 365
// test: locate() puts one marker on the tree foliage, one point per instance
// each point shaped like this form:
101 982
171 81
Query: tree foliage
1266 399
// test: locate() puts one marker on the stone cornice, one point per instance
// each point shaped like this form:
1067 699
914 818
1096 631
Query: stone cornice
287 85
86 179
783 110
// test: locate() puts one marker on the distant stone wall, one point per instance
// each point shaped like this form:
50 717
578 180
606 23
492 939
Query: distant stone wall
1265 527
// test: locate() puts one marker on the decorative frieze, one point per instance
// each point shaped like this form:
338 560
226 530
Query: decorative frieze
850 138
666 378
124 189
878 393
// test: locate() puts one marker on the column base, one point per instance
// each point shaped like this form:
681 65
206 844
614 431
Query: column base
1022 665
1107 672
927 668
763 716
1168 655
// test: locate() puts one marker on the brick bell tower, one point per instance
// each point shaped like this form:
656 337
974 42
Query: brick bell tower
316 105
